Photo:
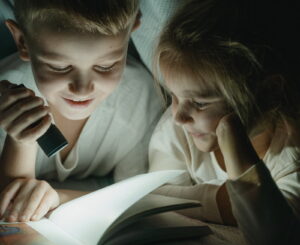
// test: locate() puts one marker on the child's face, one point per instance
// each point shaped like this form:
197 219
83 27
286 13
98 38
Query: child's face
75 72
197 108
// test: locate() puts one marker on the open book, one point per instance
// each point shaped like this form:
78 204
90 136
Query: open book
122 213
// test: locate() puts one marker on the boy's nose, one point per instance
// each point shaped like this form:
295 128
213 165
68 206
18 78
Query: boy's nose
81 86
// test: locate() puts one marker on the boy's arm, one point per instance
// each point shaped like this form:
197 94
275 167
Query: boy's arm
68 195
29 199
18 185
19 110
16 161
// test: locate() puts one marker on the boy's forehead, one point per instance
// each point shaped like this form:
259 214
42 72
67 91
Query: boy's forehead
56 55
55 44
45 34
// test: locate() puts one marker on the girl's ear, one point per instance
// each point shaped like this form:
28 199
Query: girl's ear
137 22
19 38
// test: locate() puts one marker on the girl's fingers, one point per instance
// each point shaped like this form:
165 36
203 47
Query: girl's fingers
35 200
8 195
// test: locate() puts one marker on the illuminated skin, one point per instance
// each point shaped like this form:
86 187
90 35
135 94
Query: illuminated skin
214 128
75 73
212 125
198 111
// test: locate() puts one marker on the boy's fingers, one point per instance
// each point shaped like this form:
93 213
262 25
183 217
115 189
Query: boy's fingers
7 195
34 201
44 207
38 130
12 93
20 200
21 127
8 116
50 201
4 85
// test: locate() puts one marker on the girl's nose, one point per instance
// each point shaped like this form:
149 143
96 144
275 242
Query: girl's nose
182 116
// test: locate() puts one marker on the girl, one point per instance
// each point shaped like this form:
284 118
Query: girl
233 123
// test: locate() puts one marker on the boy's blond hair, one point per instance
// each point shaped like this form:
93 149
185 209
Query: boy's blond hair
108 17
201 42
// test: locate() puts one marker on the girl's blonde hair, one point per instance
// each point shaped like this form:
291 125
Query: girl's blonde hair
108 17
210 42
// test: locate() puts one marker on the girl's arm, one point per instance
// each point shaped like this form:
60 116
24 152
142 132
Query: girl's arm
216 206
235 146
170 149
262 212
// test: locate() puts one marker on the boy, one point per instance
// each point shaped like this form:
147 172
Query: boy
77 52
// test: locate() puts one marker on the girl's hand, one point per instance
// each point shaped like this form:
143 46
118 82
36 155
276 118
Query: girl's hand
235 145
27 199
20 109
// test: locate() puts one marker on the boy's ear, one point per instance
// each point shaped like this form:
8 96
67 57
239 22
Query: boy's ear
19 38
137 21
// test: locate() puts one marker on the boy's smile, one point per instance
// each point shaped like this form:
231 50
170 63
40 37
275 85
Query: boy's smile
75 72
79 103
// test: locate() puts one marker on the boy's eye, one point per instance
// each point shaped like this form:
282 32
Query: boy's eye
60 69
105 68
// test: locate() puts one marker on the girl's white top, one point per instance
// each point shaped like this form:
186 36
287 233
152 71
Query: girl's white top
271 188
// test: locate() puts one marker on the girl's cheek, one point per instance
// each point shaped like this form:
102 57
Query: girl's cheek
204 120
211 119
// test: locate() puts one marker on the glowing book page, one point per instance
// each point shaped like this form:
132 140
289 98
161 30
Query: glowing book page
53 233
86 218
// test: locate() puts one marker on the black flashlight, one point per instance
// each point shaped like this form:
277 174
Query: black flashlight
53 140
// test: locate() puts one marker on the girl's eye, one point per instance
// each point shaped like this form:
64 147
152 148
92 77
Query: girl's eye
200 105
60 69
105 68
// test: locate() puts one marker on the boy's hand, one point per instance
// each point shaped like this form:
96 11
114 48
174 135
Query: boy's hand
20 109
27 199
235 145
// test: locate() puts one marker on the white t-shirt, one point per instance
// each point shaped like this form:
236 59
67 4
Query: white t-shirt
255 196
115 137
